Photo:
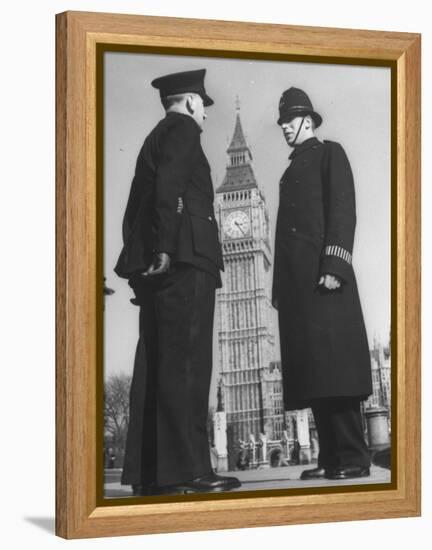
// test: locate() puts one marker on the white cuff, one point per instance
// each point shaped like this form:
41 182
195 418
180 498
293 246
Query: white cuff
335 250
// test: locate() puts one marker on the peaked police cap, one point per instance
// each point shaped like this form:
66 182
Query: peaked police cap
183 83
295 102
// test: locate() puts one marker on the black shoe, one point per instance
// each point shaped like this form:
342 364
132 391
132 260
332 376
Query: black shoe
203 484
228 482
140 490
314 473
211 483
178 489
348 472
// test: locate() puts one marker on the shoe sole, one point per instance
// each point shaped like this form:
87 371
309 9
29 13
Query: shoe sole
185 490
220 489
354 476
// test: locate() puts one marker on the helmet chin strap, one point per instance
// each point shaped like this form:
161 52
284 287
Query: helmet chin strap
298 131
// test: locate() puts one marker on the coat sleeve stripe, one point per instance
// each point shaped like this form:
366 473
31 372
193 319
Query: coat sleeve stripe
335 250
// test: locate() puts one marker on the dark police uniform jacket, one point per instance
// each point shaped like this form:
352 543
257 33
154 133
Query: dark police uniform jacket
170 206
170 209
324 348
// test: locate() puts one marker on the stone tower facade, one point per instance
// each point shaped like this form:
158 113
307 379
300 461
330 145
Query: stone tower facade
250 378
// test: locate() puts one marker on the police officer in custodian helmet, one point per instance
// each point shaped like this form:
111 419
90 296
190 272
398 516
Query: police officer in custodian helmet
324 348
172 259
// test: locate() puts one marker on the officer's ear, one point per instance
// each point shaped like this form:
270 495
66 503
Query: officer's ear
308 122
190 104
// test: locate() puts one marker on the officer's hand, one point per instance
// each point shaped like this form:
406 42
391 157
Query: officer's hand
160 264
330 282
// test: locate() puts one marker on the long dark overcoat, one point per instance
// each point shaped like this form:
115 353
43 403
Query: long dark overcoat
324 348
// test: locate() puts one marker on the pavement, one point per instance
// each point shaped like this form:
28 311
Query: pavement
262 479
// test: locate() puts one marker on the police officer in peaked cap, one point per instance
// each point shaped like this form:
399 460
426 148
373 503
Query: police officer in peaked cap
172 258
324 349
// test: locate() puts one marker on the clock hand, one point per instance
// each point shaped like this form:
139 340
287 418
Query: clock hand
239 226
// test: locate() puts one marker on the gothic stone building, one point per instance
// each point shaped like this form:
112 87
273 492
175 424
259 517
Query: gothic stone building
250 379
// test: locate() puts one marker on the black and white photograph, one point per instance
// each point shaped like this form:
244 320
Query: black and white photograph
217 254
247 275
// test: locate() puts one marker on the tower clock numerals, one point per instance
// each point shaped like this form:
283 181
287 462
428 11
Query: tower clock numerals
237 225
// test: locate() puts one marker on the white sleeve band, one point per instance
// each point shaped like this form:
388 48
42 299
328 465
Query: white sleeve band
334 250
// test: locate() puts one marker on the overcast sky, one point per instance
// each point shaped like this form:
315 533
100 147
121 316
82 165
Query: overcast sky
355 105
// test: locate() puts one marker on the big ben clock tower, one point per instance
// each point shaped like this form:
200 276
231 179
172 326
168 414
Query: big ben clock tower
246 317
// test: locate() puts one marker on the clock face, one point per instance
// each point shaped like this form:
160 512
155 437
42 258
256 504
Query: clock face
237 225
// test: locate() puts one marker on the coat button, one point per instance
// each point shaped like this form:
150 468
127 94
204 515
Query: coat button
210 218
293 229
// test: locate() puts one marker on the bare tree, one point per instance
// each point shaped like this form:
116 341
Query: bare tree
116 414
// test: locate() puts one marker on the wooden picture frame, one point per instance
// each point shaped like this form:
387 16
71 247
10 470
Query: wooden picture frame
79 297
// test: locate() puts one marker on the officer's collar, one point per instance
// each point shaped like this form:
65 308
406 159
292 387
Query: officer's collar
307 144
183 115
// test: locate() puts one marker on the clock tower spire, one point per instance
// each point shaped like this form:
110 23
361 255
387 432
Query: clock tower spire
239 172
251 386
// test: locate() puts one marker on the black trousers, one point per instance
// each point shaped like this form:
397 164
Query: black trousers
167 439
340 433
